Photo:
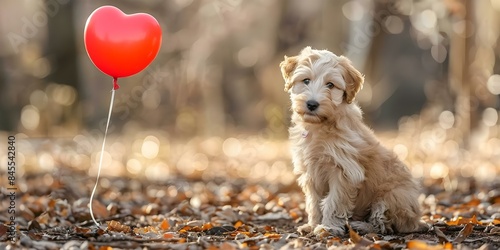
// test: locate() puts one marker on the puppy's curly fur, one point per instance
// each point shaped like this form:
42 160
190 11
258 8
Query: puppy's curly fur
344 171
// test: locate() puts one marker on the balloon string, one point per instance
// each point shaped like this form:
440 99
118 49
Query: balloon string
102 154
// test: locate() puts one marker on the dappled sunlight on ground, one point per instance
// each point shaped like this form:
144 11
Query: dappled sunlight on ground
432 152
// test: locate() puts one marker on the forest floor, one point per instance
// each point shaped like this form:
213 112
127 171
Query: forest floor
216 205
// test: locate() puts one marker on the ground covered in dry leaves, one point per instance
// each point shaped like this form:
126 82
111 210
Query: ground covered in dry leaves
222 209
190 214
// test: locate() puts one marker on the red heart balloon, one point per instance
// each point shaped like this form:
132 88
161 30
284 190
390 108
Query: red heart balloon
121 45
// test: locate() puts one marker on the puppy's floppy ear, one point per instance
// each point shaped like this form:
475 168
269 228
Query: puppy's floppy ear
353 78
287 68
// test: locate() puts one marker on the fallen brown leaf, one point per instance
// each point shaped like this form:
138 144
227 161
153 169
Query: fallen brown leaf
117 227
442 238
357 239
448 246
164 225
464 233
238 224
421 245
461 221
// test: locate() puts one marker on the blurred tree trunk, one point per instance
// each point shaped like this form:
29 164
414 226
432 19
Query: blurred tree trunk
472 63
393 68
61 51
5 121
333 29
464 102
459 73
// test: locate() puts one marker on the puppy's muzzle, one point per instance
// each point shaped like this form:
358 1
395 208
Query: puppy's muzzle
312 105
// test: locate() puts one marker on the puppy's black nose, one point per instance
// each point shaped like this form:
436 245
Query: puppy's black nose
312 105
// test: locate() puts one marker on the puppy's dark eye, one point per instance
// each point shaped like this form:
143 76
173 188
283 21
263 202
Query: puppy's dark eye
306 81
330 85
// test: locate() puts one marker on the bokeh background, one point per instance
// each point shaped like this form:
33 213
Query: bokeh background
212 105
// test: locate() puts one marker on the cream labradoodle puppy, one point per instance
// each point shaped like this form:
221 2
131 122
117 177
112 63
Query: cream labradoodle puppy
343 170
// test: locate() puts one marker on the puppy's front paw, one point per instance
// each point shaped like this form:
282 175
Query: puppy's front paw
362 227
335 230
305 229
423 227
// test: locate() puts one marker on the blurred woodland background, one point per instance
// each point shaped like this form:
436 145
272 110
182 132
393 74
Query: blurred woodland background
213 98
